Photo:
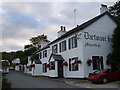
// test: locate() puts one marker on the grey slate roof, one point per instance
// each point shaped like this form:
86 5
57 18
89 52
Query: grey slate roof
37 61
56 57
78 28
82 26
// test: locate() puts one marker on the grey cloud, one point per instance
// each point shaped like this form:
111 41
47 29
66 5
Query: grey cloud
14 22
37 17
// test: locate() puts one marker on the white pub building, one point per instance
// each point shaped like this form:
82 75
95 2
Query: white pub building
76 53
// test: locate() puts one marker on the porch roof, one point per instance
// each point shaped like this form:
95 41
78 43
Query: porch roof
37 61
57 57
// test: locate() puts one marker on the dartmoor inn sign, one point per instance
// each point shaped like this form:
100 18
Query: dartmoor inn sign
89 36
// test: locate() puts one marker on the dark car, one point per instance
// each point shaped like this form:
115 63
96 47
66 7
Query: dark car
104 76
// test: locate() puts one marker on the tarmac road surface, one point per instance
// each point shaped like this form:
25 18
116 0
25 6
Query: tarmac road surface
20 80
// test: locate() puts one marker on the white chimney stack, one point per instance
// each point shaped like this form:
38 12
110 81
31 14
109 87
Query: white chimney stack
62 31
103 9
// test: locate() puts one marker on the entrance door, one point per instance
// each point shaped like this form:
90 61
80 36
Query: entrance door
97 62
60 69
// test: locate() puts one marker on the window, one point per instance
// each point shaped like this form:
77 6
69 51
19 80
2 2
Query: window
73 66
40 55
55 48
44 67
62 46
30 69
72 42
44 53
97 62
52 65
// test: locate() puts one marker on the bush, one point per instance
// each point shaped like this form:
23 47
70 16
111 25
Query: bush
5 84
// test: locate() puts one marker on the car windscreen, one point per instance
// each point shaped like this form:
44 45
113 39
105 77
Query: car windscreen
99 71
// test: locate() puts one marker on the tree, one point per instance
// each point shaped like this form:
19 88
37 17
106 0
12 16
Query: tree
115 11
116 45
28 46
36 41
8 56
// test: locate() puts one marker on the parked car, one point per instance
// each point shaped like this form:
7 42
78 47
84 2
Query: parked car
5 66
104 76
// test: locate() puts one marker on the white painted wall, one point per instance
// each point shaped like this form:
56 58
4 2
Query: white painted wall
25 69
102 27
17 60
54 73
37 70
17 68
76 52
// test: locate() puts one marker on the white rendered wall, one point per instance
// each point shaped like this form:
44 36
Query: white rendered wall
75 52
104 28
17 68
54 73
37 70
17 60
101 27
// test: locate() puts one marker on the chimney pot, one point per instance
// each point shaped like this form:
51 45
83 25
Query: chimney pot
64 28
62 31
61 28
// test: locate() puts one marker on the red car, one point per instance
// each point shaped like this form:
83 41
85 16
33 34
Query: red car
104 76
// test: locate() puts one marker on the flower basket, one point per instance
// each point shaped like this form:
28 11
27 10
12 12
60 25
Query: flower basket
33 65
108 62
30 66
89 62
47 65
64 64
27 66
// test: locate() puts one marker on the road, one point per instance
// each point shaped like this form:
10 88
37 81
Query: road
20 80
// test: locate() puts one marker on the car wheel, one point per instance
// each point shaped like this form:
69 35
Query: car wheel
104 80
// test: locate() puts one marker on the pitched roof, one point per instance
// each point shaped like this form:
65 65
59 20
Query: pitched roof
56 57
82 26
37 61
47 46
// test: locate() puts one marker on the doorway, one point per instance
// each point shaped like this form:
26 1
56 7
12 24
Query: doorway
97 62
60 69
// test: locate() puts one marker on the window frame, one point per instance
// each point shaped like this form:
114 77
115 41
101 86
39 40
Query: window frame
62 46
52 65
72 42
44 68
44 53
55 48
40 55
75 66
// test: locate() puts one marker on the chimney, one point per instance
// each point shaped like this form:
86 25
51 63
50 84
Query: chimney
103 9
62 31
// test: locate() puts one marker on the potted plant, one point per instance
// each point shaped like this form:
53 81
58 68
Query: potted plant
32 65
89 62
65 64
27 66
47 65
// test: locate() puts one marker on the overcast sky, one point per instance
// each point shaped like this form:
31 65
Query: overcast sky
23 20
